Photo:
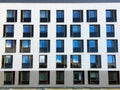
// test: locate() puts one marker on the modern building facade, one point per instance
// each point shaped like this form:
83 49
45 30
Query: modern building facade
60 43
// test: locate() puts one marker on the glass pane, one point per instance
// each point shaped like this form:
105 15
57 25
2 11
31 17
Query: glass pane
76 14
10 14
108 14
43 14
110 43
9 28
27 14
76 29
8 59
27 29
60 14
42 59
25 76
75 59
76 44
59 43
26 44
25 59
92 43
60 29
110 28
111 59
43 44
92 28
9 44
42 77
59 59
92 59
92 14
43 28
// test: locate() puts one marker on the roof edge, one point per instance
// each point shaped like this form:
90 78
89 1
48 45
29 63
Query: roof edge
58 1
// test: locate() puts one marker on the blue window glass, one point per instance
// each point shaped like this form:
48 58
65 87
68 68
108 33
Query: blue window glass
59 28
75 28
43 28
27 13
92 28
43 44
108 14
75 59
59 43
26 28
59 58
9 28
26 43
92 14
110 28
76 14
43 14
76 44
110 43
60 14
25 59
10 14
8 59
9 44
92 43
92 59
111 59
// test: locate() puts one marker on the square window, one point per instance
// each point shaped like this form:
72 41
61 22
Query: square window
77 15
11 15
7 61
27 61
60 16
43 61
61 31
112 45
8 31
44 15
44 77
110 30
92 45
75 61
95 61
78 77
43 30
78 46
44 46
75 31
25 15
93 77
25 46
111 16
9 77
59 45
111 61
61 61
94 30
91 15
28 31
59 77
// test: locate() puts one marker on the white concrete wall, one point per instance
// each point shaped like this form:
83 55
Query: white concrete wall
35 8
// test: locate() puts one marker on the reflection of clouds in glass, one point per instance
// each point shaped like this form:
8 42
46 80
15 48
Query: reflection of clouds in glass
59 59
42 59
75 59
8 44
